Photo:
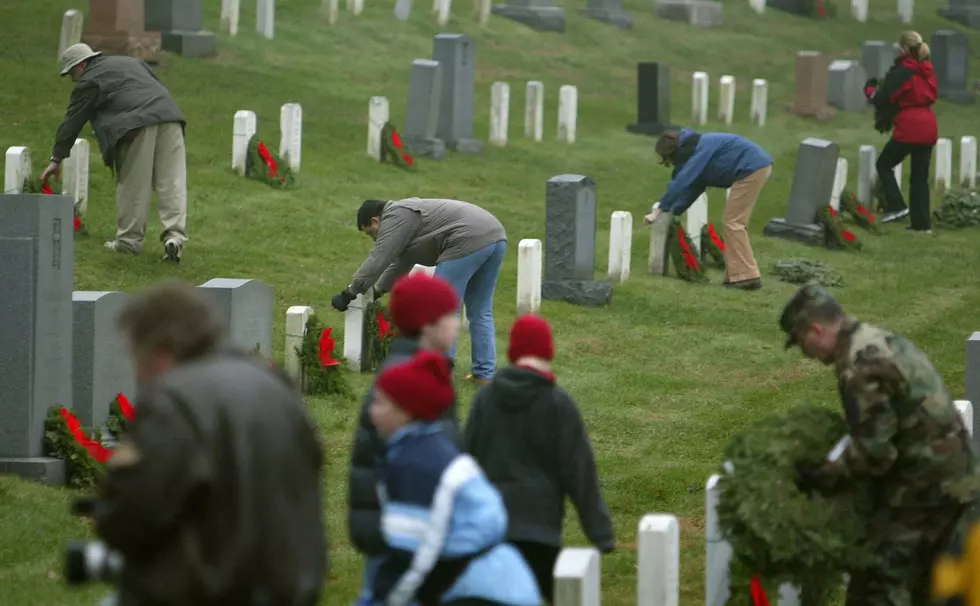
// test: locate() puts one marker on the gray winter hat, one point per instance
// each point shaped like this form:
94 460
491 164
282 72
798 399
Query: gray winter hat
75 54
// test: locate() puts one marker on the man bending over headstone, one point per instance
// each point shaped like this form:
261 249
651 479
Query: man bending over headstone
141 137
702 160
465 243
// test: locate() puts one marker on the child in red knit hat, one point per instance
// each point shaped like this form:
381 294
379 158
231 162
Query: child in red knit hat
443 522
425 312
528 435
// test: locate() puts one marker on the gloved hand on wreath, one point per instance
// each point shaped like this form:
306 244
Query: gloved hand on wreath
870 88
342 301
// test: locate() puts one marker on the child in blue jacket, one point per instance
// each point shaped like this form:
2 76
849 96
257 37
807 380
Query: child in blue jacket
717 160
444 522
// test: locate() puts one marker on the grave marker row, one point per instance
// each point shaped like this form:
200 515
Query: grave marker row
245 126
726 99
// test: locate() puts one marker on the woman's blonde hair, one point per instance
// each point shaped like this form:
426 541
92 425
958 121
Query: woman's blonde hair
911 44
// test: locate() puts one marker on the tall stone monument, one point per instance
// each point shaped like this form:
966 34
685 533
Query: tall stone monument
966 12
951 59
813 183
422 110
117 27
652 100
810 94
179 23
456 54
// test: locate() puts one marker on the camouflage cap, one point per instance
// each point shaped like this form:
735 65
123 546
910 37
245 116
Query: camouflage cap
810 301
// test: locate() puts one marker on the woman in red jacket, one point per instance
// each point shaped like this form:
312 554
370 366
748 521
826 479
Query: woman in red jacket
903 104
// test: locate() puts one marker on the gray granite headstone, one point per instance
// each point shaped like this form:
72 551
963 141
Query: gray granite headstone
966 12
569 257
813 182
951 59
179 23
877 57
608 11
36 273
101 366
541 15
972 382
699 13
652 100
422 111
456 54
845 86
249 308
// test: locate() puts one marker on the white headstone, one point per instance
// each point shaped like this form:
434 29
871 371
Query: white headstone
567 113
16 169
403 9
230 12
760 102
265 18
499 113
718 552
578 577
483 11
296 319
243 129
291 137
859 9
358 7
350 5
425 269
528 276
968 162
71 30
659 234
331 10
906 8
965 408
76 174
354 330
726 99
534 110
867 173
695 219
445 10
944 164
620 246
377 117
759 6
699 97
658 561
840 182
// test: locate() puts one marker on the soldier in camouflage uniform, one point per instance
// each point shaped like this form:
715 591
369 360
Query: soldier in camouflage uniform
907 439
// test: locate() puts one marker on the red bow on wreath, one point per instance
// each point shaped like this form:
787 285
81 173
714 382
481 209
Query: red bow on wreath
759 597
326 349
716 238
268 159
862 210
397 142
125 407
98 452
46 189
850 237
689 259
384 326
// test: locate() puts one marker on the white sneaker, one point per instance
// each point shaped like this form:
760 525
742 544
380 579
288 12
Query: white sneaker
895 216
171 251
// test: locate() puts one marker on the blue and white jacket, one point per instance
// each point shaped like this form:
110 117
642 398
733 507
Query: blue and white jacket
444 524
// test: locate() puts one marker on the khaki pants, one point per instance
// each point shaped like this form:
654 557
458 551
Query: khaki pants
740 263
152 161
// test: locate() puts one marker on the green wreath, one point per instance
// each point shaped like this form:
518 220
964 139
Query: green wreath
34 185
683 253
393 148
83 471
263 165
858 212
322 374
712 247
959 209
835 236
378 334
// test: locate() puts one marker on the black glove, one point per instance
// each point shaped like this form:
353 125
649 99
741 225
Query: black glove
376 294
342 301
807 478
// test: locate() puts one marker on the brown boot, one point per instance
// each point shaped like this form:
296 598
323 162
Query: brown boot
751 284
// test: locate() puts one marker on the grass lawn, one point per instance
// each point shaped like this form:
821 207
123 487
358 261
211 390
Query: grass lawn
664 375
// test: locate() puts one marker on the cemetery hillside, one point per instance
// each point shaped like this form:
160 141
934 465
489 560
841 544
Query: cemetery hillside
665 374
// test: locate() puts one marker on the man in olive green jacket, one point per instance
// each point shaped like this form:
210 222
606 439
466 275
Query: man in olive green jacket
141 137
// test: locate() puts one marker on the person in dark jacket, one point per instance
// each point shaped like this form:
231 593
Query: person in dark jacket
528 435
717 160
214 494
903 104
424 312
141 137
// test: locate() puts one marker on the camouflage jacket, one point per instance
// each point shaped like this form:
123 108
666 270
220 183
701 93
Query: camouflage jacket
905 431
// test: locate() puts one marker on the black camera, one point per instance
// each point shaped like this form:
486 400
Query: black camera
90 561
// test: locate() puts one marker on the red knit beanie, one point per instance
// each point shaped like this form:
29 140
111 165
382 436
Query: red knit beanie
418 300
422 387
530 336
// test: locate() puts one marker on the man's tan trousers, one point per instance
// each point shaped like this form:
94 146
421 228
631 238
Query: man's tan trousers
740 263
152 161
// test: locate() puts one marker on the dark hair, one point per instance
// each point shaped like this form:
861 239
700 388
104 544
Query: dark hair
666 146
369 209
174 316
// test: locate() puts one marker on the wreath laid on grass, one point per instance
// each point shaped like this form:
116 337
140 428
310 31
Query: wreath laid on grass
858 212
959 209
801 271
263 165
779 534
34 185
393 148
83 450
821 9
712 247
323 374
835 236
378 334
682 253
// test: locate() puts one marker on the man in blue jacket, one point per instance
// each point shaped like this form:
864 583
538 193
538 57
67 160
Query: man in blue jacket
717 160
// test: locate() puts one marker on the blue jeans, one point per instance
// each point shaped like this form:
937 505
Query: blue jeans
474 277
367 584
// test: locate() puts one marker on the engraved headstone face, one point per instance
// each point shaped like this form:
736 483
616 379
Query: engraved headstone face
951 57
570 224
101 366
653 93
845 86
424 92
810 97
248 307
167 15
877 57
111 16
456 54
813 180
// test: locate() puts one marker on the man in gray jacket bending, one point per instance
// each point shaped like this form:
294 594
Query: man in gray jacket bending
465 243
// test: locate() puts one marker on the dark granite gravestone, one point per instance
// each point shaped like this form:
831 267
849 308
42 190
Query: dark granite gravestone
101 366
699 13
972 380
570 224
951 59
248 306
845 86
793 7
652 100
877 57
541 15
179 23
36 273
813 182
456 54
608 11
422 110
966 12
